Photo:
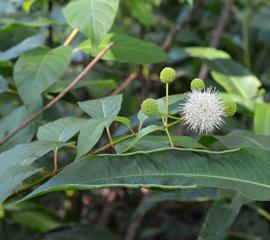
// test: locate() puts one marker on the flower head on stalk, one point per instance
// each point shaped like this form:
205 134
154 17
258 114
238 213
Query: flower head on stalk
203 112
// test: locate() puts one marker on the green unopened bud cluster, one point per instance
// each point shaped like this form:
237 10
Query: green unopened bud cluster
230 108
167 75
149 107
197 84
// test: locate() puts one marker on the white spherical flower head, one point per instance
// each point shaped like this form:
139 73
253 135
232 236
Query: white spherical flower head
203 111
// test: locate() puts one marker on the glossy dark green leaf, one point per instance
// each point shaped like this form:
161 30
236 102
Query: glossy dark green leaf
244 170
38 69
93 17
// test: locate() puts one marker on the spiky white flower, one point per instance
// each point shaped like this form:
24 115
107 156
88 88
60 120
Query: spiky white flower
203 111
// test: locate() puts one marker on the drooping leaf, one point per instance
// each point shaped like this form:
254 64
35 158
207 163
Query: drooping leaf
123 120
243 170
262 119
25 45
38 69
15 164
89 135
128 49
220 217
103 108
60 130
93 17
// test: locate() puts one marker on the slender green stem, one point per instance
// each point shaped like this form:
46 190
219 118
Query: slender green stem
167 104
107 146
140 126
166 115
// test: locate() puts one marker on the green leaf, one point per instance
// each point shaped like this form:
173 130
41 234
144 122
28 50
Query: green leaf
185 195
25 45
262 119
38 69
232 76
60 130
15 164
219 218
243 138
125 146
155 142
27 4
206 53
123 120
244 170
33 215
89 135
3 85
142 10
93 17
128 49
12 120
103 108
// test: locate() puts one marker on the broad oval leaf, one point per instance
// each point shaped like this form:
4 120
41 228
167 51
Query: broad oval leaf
244 170
127 49
103 108
38 69
60 130
89 135
93 17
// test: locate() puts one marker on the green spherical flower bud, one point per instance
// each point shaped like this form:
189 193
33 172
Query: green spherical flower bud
149 107
197 84
167 75
229 108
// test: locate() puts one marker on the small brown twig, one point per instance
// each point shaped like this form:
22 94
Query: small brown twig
55 161
58 97
217 33
179 27
131 77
